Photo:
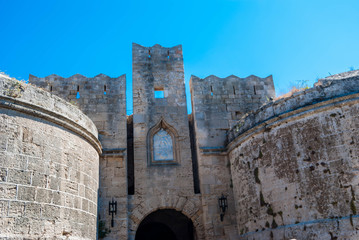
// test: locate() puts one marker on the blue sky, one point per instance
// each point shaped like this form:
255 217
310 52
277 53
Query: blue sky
293 40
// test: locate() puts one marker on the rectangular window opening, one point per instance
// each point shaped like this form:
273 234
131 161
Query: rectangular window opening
211 91
234 90
254 88
238 114
159 92
104 89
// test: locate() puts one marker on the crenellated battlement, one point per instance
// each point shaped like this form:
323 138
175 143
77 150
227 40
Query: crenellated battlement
102 98
233 85
218 103
68 88
327 89
157 52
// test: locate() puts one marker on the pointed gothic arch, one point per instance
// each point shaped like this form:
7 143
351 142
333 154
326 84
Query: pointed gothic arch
162 145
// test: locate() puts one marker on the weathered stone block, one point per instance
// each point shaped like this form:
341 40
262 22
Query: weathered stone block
8 191
26 193
19 176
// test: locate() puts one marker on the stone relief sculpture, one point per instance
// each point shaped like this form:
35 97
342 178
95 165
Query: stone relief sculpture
162 144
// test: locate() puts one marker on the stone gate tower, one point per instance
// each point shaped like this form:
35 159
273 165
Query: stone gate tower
163 176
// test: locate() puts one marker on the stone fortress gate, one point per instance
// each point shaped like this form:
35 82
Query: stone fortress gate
69 154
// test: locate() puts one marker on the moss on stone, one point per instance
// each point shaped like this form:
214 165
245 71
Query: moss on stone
270 210
274 224
281 215
256 176
267 224
260 155
353 207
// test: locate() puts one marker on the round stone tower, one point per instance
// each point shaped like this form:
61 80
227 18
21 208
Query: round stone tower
294 164
49 161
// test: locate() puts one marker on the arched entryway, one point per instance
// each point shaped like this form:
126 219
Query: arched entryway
165 224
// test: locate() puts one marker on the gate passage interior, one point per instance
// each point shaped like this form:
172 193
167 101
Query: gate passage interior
166 224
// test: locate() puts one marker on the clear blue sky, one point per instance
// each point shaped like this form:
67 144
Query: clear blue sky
290 39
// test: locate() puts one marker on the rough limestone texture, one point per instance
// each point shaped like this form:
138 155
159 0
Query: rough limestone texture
162 185
217 104
103 100
294 165
49 160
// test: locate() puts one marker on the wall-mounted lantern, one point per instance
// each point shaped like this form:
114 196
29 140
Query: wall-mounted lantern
112 209
223 205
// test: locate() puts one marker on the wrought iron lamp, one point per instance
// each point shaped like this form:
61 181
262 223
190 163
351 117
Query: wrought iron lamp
112 209
223 205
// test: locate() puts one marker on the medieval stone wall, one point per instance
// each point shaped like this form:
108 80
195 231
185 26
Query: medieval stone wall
49 160
294 165
217 104
103 100
288 168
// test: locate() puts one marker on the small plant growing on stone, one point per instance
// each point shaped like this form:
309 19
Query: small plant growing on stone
74 103
102 230
15 89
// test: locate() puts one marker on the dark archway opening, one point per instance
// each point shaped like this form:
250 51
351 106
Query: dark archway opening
166 224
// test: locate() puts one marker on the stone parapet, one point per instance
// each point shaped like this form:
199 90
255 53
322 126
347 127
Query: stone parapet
31 100
218 103
101 98
325 90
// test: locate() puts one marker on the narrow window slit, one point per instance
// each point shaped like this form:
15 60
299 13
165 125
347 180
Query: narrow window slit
234 90
50 88
211 91
254 88
78 92
104 89
149 53
168 54
130 157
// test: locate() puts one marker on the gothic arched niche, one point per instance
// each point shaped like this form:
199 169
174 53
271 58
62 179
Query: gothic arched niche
162 144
